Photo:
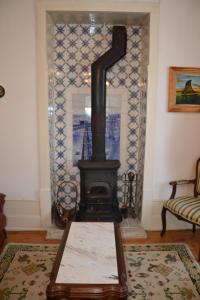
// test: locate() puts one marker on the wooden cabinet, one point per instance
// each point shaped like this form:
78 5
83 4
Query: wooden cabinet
2 220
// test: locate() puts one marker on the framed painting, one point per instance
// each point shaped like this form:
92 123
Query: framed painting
184 89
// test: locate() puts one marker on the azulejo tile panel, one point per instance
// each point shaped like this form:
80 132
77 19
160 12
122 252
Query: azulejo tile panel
73 48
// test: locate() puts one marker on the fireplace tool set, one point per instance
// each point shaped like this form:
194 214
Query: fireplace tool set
129 195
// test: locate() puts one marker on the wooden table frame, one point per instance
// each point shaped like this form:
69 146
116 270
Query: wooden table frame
78 291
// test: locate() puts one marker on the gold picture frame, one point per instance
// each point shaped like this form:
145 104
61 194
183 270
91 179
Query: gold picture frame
184 89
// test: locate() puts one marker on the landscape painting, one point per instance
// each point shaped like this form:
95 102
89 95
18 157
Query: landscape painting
184 89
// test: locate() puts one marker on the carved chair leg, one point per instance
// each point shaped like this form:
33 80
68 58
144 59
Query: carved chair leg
193 228
164 210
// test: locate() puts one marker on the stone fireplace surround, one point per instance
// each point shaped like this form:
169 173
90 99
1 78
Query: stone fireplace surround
45 176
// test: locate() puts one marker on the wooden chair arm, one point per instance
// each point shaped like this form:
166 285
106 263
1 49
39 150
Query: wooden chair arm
179 182
183 181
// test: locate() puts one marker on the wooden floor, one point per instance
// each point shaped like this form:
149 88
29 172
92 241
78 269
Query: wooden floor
175 236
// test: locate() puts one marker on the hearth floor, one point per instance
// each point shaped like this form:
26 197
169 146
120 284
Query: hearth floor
130 229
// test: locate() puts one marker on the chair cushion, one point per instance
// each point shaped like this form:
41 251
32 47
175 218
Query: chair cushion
186 207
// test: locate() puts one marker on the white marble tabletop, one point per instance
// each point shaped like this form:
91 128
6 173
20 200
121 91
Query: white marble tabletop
89 256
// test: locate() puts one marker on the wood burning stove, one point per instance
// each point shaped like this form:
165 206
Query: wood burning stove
98 176
99 191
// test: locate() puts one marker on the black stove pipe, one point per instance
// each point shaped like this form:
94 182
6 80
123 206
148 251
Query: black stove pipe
98 89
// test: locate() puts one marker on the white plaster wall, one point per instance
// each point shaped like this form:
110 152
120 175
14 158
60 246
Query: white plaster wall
177 142
18 119
19 176
177 134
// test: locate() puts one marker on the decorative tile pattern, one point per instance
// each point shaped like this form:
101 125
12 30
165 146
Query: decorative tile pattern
74 48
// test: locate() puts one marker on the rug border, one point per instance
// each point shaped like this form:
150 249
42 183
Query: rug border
24 244
124 246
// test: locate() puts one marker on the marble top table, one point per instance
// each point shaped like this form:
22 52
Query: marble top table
89 263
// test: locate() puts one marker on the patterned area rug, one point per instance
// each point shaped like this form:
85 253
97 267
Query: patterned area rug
162 271
155 271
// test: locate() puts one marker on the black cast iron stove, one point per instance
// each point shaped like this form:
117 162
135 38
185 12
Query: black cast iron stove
98 176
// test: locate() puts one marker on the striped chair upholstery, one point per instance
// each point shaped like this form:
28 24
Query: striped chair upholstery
185 208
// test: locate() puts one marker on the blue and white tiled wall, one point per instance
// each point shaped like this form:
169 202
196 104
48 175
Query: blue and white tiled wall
73 48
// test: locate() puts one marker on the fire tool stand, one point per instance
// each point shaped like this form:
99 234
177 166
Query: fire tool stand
128 208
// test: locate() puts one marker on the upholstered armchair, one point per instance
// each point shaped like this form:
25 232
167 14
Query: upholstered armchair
185 208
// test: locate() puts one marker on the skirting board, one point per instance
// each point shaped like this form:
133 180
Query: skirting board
25 215
23 222
22 215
